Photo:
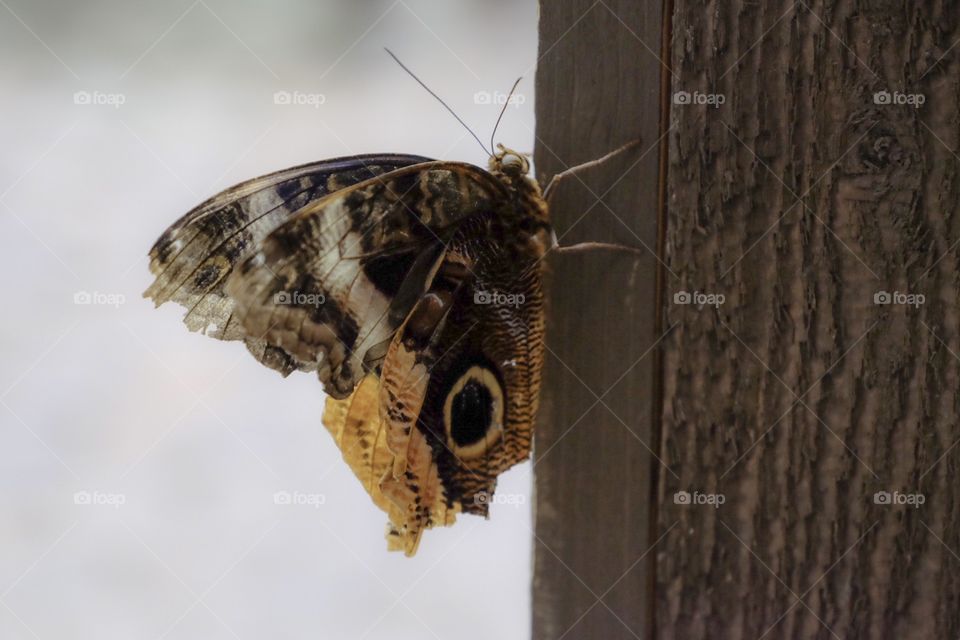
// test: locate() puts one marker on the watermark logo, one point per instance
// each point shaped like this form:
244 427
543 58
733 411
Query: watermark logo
483 497
299 498
899 297
99 98
709 99
299 98
498 98
99 298
914 100
299 299
498 298
699 298
698 498
99 498
896 498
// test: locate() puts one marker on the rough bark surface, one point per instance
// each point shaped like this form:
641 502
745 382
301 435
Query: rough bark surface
597 88
798 399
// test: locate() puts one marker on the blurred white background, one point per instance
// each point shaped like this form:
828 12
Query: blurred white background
191 435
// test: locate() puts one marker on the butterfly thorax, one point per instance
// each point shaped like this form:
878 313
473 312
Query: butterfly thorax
525 217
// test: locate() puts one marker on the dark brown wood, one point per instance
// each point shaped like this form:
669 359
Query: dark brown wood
796 187
597 88
799 398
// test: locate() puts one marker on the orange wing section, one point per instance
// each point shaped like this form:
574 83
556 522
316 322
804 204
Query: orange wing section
392 460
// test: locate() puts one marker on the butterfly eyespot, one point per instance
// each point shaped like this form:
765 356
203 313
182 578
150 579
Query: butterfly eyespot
473 413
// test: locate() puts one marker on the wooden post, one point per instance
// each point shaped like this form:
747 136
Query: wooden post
806 399
598 88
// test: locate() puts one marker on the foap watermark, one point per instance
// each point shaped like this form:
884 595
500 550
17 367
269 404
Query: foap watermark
709 99
899 297
914 100
699 298
299 498
299 298
100 498
299 98
515 499
99 98
896 498
498 298
499 98
699 498
99 298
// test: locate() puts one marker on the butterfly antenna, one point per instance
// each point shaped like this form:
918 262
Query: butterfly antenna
503 111
439 99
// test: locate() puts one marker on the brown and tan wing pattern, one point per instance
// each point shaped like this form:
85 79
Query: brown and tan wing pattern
361 435
412 287
332 284
485 360
457 391
194 257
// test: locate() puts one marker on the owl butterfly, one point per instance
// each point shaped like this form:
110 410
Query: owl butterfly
411 286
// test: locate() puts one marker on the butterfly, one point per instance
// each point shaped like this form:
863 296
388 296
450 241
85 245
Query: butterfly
412 287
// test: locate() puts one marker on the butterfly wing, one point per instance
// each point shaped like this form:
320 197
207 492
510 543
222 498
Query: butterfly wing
458 390
331 285
485 359
194 257
402 291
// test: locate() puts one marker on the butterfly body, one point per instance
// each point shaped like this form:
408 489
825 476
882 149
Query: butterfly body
411 286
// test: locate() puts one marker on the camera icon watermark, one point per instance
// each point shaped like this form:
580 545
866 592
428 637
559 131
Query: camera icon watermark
99 498
99 298
99 98
299 98
299 498
896 498
898 297
499 98
915 100
299 298
485 498
698 498
498 298
684 98
699 298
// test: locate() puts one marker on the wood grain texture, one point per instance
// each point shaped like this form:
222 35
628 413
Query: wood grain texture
597 88
799 398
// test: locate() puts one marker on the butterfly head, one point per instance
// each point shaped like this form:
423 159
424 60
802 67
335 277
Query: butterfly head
509 162
530 226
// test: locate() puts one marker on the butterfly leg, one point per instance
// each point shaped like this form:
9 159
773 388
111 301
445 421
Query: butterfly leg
555 181
582 247
574 170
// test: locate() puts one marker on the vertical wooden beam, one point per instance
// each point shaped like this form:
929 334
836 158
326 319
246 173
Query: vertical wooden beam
598 87
805 180
812 183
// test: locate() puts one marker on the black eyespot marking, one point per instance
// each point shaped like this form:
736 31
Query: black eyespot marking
470 413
